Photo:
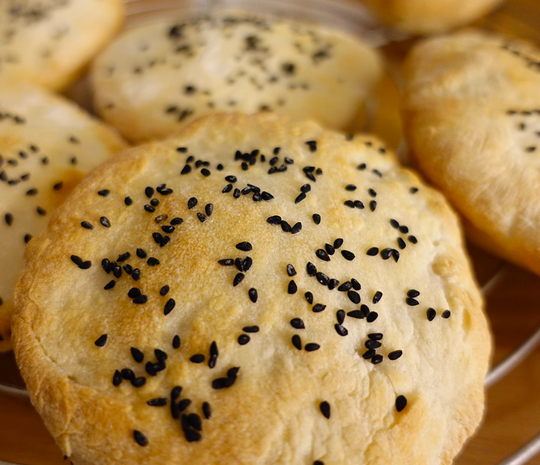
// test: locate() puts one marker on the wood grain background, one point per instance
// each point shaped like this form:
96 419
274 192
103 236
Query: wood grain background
513 405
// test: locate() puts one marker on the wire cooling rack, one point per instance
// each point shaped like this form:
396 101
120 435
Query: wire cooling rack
347 15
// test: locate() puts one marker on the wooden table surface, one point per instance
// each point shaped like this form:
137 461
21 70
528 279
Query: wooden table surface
513 405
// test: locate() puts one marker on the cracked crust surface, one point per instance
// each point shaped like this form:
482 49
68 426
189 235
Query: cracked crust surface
271 413
47 43
155 79
47 145
473 125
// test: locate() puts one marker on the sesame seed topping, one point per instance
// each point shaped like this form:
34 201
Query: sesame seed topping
347 255
87 225
316 218
137 355
105 222
401 403
243 339
244 246
293 288
192 202
325 409
377 297
197 358
395 354
311 347
297 342
431 314
253 295
372 252
140 438
446 314
101 340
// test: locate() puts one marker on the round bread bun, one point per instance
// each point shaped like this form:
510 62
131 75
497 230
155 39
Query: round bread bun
47 145
472 112
430 16
157 78
233 308
48 42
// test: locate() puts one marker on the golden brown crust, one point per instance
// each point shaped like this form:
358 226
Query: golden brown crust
47 145
155 79
471 111
270 415
430 16
48 43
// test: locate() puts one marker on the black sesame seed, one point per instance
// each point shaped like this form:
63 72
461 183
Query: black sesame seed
250 329
347 255
355 284
316 218
176 342
311 269
253 295
27 239
323 279
446 314
209 208
394 224
329 249
373 251
186 170
197 358
117 378
244 246
325 409
152 261
128 201
373 205
285 227
138 382
322 255
169 306
413 293
127 374
160 355
207 412
238 279
137 355
395 354
41 211
401 403
243 339
350 187
431 314
372 316
77 260
293 288
274 220
354 297
377 297
412 302
346 286
340 316
370 344
341 330
312 144
296 228
311 347
403 229
205 172
401 243
297 323
142 299
317 308
140 438
309 297
290 270
226 262
101 340
157 402
110 285
176 221
184 404
164 290
300 197
192 202
105 222
201 217
376 359
297 342
368 354
333 283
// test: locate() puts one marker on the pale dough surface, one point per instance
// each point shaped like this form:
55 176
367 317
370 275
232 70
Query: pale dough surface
156 78
270 413
430 16
48 42
47 145
472 112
